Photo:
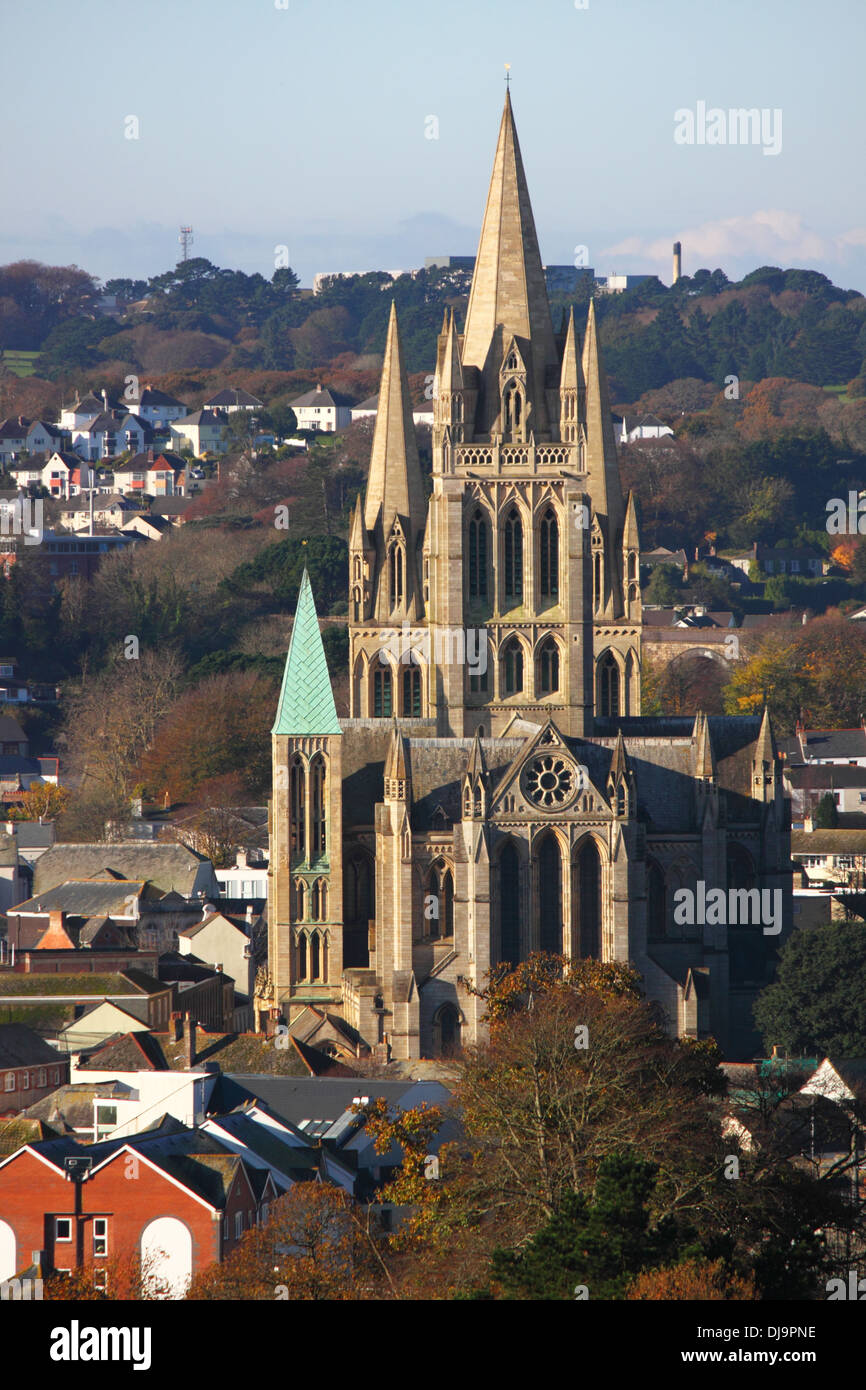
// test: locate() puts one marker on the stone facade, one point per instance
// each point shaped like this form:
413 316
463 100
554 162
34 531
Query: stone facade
500 792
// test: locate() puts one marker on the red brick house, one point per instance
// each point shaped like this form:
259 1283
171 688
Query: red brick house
174 1195
29 1068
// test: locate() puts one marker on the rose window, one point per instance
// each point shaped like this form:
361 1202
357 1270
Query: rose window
550 781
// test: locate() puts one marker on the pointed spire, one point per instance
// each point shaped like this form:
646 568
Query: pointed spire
509 294
619 764
451 375
630 536
476 766
702 742
765 748
357 530
601 465
395 763
394 485
306 706
569 377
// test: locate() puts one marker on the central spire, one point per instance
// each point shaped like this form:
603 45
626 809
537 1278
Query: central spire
509 295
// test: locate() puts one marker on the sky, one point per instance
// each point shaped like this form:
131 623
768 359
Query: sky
361 136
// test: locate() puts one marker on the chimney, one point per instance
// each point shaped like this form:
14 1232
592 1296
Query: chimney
678 261
249 914
105 399
55 920
241 859
189 1041
177 1027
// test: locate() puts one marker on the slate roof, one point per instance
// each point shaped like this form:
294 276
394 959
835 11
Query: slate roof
321 397
168 867
126 1052
22 1129
306 704
21 1047
828 842
834 743
86 898
297 1100
231 395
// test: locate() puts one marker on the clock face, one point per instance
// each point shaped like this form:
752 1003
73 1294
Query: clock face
550 781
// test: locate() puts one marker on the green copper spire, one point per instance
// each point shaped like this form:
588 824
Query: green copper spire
306 700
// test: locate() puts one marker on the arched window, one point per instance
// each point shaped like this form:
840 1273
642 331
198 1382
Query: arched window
323 900
302 955
357 567
412 692
608 685
656 902
315 904
549 555
597 572
509 905
396 575
632 565
300 900
478 555
356 605
586 895
298 811
548 667
513 542
382 701
512 667
315 964
326 943
620 798
549 866
358 902
447 899
318 816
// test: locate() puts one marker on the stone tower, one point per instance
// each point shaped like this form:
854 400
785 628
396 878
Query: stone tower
525 559
305 933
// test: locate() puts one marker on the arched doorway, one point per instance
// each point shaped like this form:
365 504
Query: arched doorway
447 1027
586 896
549 868
166 1250
8 1252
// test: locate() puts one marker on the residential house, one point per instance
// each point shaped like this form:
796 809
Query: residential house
29 1068
112 509
201 432
152 528
19 435
223 941
50 1002
157 474
174 869
189 1206
832 858
86 408
368 410
65 475
322 409
231 399
157 408
108 435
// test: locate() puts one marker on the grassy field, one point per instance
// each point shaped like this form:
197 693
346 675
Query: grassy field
19 362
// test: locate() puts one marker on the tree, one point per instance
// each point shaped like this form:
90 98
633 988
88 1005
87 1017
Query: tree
817 1003
313 1247
698 1280
41 801
826 813
665 586
599 1243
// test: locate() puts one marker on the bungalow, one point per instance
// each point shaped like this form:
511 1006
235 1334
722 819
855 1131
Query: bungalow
628 428
201 432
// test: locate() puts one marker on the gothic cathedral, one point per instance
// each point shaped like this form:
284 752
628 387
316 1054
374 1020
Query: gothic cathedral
495 790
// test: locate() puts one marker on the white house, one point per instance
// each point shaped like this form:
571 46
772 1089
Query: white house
221 941
105 436
632 427
323 410
22 436
231 399
202 432
157 408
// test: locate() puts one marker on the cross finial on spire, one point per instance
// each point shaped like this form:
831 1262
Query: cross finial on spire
508 75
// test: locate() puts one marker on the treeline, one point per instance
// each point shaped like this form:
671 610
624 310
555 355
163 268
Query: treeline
773 323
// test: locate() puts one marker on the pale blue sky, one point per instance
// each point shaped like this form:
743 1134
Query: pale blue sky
306 126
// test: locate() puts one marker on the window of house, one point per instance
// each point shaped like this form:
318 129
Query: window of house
25 1081
10 1081
100 1235
63 1228
239 1224
43 1077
